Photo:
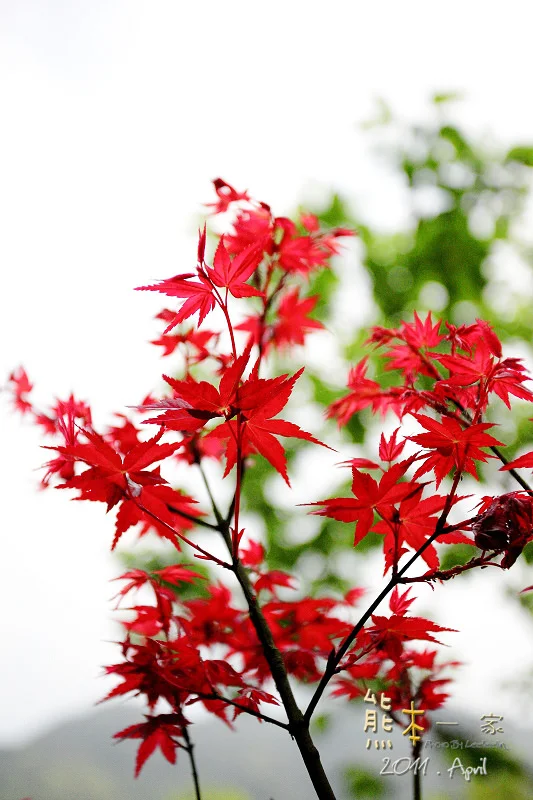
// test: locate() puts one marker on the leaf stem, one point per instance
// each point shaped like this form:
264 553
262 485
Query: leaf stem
224 306
190 751
182 536
246 709
518 478
216 510
197 520
238 488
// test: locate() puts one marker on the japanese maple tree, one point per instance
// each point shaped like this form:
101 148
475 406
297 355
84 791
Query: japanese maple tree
239 650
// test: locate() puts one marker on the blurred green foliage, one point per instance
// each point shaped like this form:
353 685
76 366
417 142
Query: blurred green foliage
507 776
465 201
495 787
362 784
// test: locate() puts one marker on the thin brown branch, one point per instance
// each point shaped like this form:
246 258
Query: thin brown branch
445 575
182 536
197 520
518 478
245 709
190 752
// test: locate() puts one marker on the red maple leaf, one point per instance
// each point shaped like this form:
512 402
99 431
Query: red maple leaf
109 475
162 508
453 446
144 670
178 573
252 226
232 274
110 478
21 388
480 367
522 462
370 497
291 324
123 436
253 554
416 336
392 632
174 574
251 698
390 449
149 620
412 523
292 320
400 603
302 254
310 222
365 392
194 342
259 400
212 619
198 296
196 402
273 578
226 195
163 732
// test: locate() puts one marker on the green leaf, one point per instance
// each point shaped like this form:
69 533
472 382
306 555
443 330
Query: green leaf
453 555
456 138
446 97
527 553
321 723
356 429
363 784
522 154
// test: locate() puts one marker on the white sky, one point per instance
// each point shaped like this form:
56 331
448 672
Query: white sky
116 116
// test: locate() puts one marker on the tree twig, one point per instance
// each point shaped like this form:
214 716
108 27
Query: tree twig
190 752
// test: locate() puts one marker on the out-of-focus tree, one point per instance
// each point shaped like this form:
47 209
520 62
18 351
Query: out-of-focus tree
465 200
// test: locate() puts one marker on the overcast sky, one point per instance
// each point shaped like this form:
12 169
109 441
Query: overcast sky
116 117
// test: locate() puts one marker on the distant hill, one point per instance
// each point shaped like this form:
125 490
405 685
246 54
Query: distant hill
78 760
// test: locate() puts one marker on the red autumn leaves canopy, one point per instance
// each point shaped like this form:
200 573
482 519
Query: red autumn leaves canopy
206 648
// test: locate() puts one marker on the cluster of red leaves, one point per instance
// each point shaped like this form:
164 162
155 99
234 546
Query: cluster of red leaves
392 507
207 649
180 669
269 250
465 366
114 470
383 651
453 375
266 259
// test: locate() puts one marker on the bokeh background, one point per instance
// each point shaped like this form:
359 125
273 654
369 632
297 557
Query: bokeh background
410 122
